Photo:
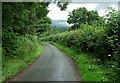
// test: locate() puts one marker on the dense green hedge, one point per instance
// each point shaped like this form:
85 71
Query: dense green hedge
103 41
92 40
29 49
19 20
88 39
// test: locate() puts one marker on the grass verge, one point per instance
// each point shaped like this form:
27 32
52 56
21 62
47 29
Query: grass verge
11 67
88 67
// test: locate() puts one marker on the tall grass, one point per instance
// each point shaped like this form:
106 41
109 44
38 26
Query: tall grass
28 52
95 40
87 66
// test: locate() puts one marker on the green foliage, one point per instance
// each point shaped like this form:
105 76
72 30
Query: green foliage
21 23
10 44
62 4
82 16
101 39
113 40
27 54
20 19
113 30
54 31
87 39
87 66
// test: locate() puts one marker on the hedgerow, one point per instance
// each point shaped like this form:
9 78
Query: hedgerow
101 40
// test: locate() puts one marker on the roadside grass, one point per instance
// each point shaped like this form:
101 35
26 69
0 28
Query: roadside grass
87 66
11 66
0 62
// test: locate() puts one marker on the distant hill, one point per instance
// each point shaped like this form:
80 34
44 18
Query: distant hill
60 23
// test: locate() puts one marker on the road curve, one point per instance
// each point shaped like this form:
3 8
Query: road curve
52 65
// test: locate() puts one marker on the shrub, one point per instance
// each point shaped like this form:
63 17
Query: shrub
102 40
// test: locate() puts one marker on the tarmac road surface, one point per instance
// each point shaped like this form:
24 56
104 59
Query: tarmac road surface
52 65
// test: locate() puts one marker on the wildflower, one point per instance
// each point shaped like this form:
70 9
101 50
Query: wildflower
98 59
109 55
23 38
113 66
115 52
3 77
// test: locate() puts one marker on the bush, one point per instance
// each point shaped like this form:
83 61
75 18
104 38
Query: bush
102 40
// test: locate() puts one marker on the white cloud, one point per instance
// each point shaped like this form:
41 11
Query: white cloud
89 6
56 14
101 12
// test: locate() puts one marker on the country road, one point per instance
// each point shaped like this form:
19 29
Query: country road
52 65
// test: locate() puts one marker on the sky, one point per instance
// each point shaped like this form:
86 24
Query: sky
59 0
56 14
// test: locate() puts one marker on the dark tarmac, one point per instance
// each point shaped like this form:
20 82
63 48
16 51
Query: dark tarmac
52 65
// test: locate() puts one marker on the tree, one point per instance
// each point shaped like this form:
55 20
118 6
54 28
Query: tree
24 18
81 16
20 19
